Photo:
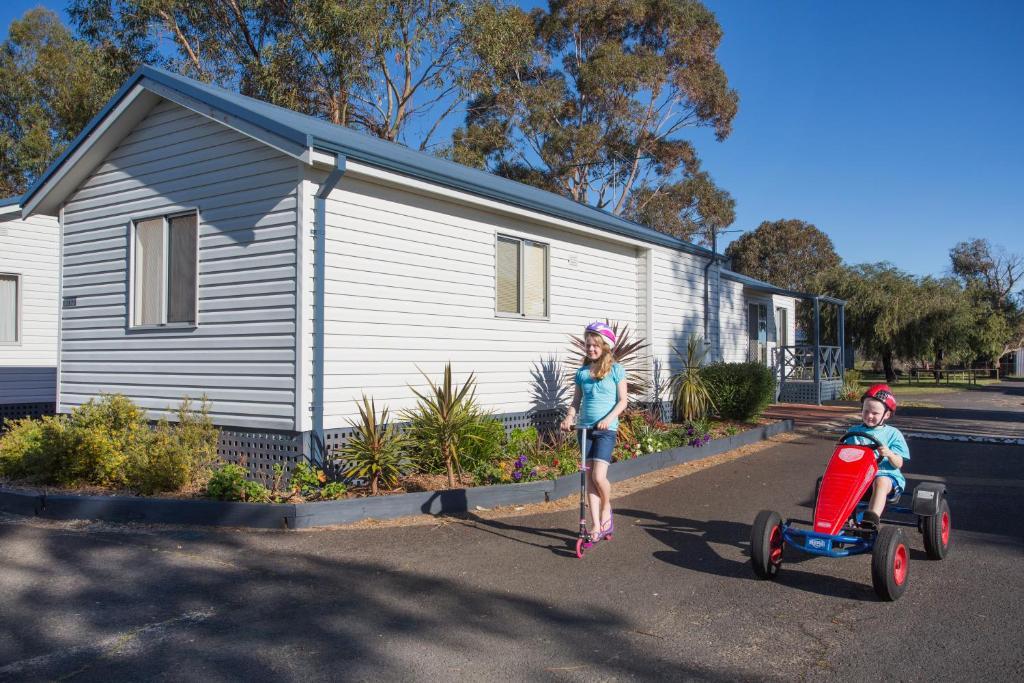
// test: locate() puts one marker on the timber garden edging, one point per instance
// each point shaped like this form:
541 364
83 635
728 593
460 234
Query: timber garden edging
309 515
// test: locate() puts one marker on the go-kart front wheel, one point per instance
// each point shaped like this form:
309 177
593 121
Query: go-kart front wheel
938 530
766 544
890 563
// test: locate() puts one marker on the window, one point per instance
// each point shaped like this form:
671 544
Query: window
757 331
522 278
164 277
782 325
10 321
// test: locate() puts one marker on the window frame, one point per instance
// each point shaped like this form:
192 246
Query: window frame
166 229
521 240
781 326
19 334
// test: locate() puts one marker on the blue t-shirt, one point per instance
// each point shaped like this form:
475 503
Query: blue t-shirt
894 441
599 395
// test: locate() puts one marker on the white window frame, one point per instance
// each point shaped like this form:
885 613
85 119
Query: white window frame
522 278
166 218
19 334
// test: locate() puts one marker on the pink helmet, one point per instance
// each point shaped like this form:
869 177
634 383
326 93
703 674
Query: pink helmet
602 329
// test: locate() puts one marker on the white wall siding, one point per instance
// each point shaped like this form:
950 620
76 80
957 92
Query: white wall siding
678 310
28 249
411 284
242 353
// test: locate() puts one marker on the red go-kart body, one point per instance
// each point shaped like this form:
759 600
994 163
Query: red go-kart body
848 476
837 529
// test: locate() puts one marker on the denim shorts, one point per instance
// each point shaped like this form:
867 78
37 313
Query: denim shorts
600 444
897 490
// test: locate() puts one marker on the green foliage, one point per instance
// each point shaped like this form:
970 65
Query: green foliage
601 95
446 419
108 442
740 391
374 66
307 480
375 451
851 385
787 253
51 84
690 394
178 455
229 483
487 445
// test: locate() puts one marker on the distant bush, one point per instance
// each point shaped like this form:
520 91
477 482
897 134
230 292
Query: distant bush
739 391
851 385
108 442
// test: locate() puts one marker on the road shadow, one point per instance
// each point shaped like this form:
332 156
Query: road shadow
561 542
691 542
136 606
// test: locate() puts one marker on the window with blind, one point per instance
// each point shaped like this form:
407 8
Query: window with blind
522 277
164 270
9 318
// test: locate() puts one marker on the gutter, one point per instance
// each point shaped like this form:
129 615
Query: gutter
712 260
318 451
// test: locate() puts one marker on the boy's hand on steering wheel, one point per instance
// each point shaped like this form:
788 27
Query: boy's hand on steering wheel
885 453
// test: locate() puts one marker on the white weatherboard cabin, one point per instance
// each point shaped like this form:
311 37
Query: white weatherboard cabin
284 266
28 313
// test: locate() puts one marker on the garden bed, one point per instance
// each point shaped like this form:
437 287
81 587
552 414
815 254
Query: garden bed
56 503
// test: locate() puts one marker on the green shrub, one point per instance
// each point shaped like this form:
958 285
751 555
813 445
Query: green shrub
740 391
851 385
230 483
108 442
375 451
179 455
445 422
690 394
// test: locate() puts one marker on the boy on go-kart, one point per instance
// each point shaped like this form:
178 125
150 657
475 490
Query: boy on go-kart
877 405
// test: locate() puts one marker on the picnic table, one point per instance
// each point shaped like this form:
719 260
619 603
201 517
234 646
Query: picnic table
969 375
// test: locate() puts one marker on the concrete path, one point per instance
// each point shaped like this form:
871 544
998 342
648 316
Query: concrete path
671 598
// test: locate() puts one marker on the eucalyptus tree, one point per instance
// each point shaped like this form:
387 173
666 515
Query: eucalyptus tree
51 84
591 99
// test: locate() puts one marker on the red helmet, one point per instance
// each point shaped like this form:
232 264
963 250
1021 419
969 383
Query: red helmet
881 392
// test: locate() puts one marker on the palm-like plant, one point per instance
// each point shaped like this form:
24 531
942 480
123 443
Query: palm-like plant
626 353
375 450
690 395
445 419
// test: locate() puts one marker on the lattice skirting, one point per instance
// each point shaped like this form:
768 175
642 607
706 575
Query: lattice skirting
805 392
16 411
260 450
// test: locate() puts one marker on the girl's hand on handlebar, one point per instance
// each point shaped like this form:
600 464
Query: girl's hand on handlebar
566 424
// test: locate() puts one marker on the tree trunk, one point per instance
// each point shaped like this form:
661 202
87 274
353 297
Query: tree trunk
373 485
890 373
451 470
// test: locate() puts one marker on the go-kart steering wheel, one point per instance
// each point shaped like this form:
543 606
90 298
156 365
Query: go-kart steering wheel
876 445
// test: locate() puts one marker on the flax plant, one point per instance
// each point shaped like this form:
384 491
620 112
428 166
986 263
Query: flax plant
690 394
376 449
445 420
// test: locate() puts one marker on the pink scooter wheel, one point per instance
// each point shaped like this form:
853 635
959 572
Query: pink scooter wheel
580 548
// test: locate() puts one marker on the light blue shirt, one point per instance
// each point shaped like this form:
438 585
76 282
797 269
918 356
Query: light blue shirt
599 395
893 439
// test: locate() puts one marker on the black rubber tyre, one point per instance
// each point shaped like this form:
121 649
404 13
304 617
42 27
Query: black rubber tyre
938 532
890 563
766 544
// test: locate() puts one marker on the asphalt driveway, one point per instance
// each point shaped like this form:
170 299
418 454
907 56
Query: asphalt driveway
672 597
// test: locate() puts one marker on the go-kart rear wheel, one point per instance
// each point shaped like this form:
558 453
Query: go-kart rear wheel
766 544
937 530
890 563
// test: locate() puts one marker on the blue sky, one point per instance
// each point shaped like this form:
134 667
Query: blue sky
894 127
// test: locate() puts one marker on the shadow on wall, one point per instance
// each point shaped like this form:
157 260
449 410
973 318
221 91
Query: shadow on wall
549 389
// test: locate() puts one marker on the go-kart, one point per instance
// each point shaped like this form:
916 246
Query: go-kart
840 502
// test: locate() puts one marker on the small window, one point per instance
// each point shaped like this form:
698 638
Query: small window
522 277
10 321
164 277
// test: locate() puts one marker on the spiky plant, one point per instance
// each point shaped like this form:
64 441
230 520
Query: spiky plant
626 353
445 420
690 395
375 451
